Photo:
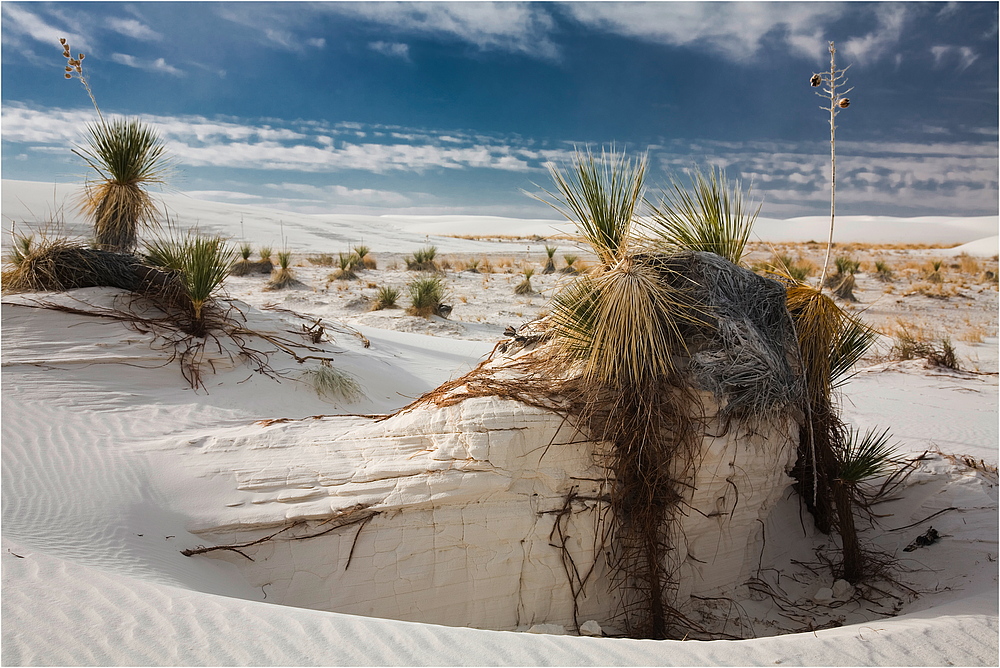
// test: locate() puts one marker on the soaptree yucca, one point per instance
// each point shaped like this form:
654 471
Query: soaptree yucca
713 215
621 326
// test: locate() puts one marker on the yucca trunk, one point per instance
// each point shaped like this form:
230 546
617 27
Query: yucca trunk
843 496
117 217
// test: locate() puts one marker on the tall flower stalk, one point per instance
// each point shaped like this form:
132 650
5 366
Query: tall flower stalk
831 81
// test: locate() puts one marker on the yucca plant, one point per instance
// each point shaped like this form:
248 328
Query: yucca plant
364 258
426 295
21 248
934 274
282 277
128 156
713 215
264 265
244 265
858 458
422 259
346 263
550 263
525 287
200 263
472 266
883 271
385 298
569 268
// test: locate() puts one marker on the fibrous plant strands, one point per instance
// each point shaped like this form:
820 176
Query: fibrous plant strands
58 265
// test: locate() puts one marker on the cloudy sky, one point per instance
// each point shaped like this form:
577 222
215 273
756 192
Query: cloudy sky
458 107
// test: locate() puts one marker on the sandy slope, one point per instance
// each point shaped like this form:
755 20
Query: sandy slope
93 524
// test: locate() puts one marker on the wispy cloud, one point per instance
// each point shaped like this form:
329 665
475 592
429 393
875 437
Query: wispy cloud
21 22
519 27
156 65
868 48
960 57
133 28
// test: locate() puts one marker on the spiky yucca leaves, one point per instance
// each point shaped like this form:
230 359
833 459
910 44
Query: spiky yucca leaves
346 262
550 263
385 298
883 271
713 215
830 341
200 264
365 260
128 156
283 276
422 259
602 196
569 268
859 458
244 265
426 295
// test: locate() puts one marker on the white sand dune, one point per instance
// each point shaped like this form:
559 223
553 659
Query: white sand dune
112 464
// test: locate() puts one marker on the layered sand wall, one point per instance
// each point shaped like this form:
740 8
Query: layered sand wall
486 514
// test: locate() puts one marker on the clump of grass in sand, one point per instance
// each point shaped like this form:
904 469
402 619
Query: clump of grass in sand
55 263
933 274
385 298
426 295
550 263
912 342
883 271
321 259
422 260
282 277
264 264
346 263
842 282
525 287
472 265
333 384
784 265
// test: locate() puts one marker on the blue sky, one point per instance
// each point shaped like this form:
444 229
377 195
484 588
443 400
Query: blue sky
458 107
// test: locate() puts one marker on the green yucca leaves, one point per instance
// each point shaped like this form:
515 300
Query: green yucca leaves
602 196
862 457
202 264
425 296
128 155
713 215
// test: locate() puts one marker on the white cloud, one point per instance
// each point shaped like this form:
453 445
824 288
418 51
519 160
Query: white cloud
961 57
868 48
503 26
22 22
392 49
157 65
133 28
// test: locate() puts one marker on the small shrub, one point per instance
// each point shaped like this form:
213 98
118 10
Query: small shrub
426 295
422 260
364 258
472 266
882 271
934 274
386 298
283 277
244 265
322 260
264 264
913 343
486 267
846 265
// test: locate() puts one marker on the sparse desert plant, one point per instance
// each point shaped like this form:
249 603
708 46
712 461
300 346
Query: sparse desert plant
714 216
264 265
346 262
883 271
846 265
422 260
472 266
485 266
21 248
282 277
321 259
550 263
969 265
385 298
911 342
524 287
426 295
55 263
933 274
332 383
569 268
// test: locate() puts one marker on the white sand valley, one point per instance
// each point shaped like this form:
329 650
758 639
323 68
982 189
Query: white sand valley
112 465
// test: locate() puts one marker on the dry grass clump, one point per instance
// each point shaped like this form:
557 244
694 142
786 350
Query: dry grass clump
322 259
883 271
365 260
973 333
969 265
385 298
332 384
426 295
264 265
933 272
782 264
525 287
57 264
569 268
471 266
842 282
913 342
423 260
